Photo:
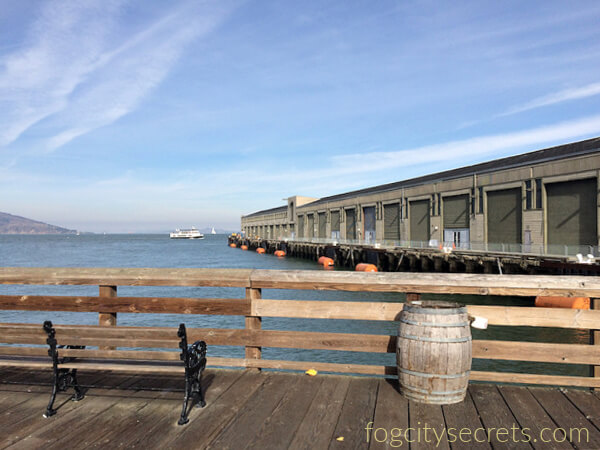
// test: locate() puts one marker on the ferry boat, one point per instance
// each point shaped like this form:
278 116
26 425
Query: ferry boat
187 233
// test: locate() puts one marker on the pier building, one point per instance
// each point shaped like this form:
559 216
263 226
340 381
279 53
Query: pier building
540 202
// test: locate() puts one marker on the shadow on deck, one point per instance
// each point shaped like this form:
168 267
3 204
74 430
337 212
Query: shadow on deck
269 410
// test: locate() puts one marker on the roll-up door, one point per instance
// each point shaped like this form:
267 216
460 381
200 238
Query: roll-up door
572 212
369 221
391 221
419 220
335 224
300 226
310 228
322 224
456 211
504 216
350 224
335 221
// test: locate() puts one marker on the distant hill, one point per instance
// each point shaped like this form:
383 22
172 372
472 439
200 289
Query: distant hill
10 224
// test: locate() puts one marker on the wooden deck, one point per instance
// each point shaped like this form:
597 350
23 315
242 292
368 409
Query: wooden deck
251 409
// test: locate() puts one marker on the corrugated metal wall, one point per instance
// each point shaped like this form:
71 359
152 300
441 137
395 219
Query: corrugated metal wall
310 226
391 222
419 220
504 216
335 221
369 218
350 224
300 226
572 212
456 211
322 224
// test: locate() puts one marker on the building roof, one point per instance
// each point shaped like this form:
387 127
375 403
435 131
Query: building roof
267 211
526 159
571 150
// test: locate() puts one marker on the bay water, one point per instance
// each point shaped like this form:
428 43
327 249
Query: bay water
145 250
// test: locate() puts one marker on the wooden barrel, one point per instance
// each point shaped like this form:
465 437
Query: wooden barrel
434 352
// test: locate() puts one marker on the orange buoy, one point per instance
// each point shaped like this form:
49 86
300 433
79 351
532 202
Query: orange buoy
232 245
244 247
279 253
563 302
363 267
325 261
260 250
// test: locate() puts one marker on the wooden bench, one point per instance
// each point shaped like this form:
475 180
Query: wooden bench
68 349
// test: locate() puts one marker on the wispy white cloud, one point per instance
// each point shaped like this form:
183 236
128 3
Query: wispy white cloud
61 47
473 148
71 73
140 193
577 93
347 170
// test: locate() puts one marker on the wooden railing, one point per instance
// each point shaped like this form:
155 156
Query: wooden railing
253 307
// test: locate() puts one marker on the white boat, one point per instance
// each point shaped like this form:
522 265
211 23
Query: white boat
213 231
187 233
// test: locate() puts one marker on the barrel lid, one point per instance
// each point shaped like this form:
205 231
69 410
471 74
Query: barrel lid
434 307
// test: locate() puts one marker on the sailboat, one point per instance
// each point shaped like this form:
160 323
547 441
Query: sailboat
213 231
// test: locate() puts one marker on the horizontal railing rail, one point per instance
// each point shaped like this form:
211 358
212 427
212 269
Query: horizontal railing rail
254 308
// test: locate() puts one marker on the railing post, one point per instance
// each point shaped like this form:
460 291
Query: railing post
253 323
595 340
107 319
412 297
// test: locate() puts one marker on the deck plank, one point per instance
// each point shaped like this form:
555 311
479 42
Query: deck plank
531 416
101 412
391 413
587 403
254 412
495 413
25 416
279 429
37 431
318 425
357 411
156 423
205 426
568 417
464 427
250 409
428 427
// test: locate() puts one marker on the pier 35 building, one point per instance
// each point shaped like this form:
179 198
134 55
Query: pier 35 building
544 201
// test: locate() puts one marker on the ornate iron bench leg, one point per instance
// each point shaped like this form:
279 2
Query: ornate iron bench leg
78 395
194 359
51 341
181 333
63 378
199 349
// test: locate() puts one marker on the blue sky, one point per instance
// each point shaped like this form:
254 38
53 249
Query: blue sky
126 116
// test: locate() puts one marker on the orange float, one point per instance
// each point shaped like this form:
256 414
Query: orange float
563 302
279 253
244 247
260 250
363 267
232 245
325 261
